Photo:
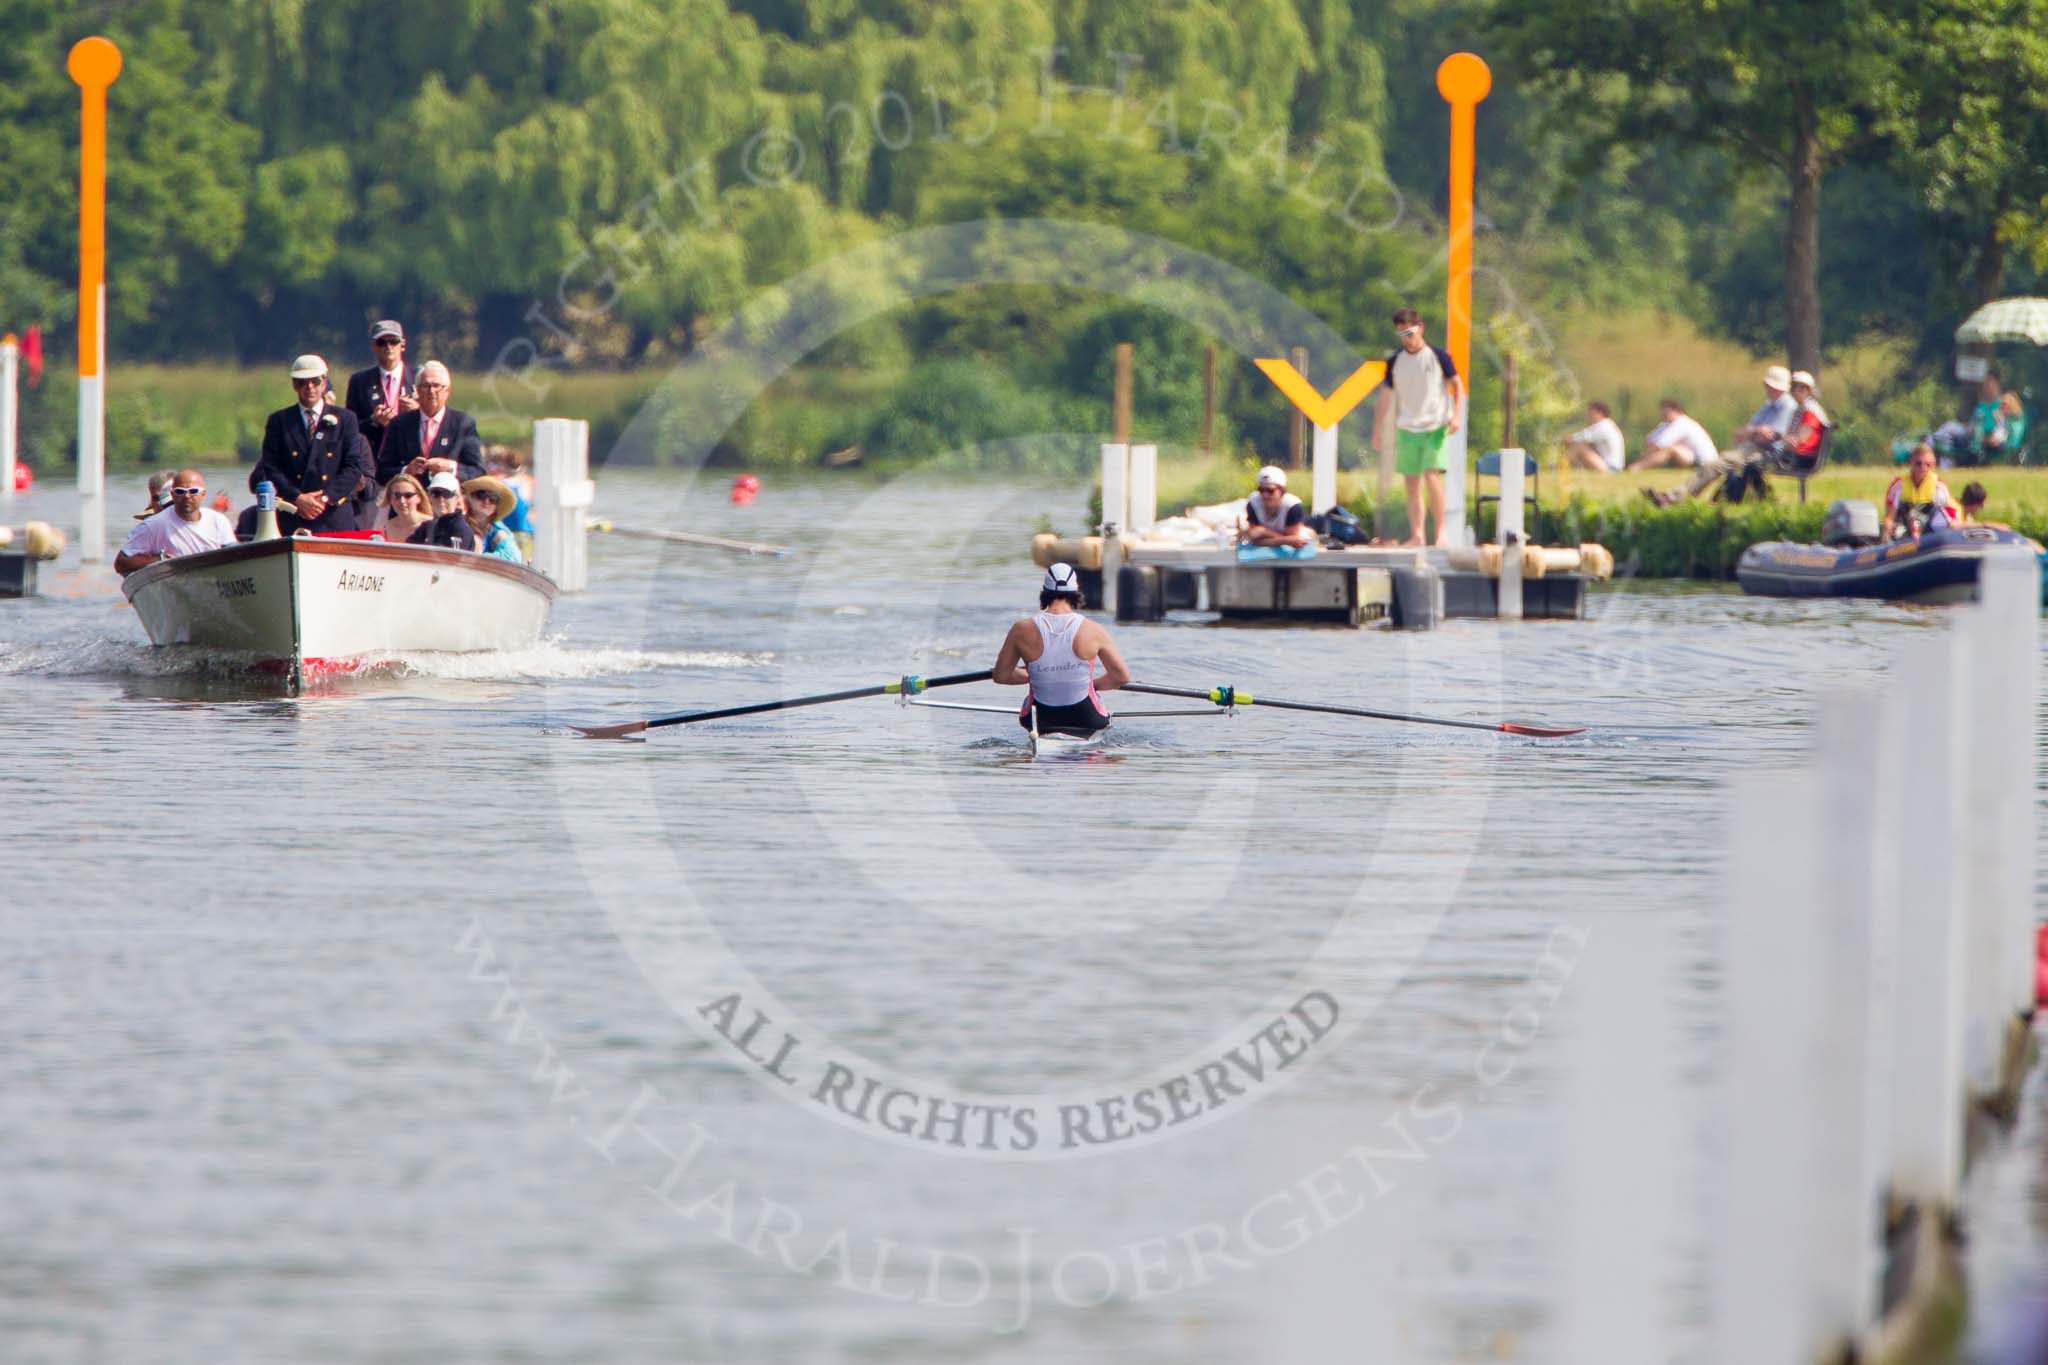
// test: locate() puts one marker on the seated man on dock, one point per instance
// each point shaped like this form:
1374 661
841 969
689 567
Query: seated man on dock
187 527
1054 654
1274 516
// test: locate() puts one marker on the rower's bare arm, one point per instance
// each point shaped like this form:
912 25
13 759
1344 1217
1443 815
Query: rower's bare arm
1009 670
1114 672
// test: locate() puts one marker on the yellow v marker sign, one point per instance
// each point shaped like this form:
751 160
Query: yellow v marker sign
1321 411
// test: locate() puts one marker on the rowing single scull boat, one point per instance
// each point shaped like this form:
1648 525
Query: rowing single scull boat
1225 702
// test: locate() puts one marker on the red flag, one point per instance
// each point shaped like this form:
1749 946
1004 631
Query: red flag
32 352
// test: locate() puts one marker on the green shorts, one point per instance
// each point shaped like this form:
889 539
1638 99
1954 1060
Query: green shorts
1417 452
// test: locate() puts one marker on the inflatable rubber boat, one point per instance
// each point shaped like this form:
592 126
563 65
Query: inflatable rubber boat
1939 566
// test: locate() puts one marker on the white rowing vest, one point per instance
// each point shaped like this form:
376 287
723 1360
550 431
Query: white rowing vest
1059 677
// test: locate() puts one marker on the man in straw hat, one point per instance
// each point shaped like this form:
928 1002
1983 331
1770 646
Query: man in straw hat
1785 430
314 455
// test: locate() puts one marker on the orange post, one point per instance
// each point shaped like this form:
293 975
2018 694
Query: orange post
1463 80
94 63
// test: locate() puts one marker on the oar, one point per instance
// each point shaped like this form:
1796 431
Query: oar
911 685
1230 696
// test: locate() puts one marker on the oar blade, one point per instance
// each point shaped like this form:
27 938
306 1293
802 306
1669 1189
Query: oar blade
631 727
1542 731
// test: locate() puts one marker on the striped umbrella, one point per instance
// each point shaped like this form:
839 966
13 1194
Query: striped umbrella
2022 319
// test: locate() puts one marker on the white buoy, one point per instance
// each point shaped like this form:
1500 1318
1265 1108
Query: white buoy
562 494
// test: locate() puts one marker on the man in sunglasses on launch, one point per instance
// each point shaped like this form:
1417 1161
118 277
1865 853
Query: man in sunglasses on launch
187 527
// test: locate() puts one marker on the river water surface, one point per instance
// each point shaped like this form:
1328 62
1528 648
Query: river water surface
393 1022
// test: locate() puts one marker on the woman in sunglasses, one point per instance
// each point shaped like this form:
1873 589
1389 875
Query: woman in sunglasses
405 508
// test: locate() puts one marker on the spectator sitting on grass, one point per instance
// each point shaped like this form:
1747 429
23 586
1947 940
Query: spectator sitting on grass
1677 440
1600 447
2008 430
1800 442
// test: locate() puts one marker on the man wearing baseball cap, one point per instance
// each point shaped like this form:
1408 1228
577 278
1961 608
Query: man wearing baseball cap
1274 516
379 394
1054 654
314 455
1760 440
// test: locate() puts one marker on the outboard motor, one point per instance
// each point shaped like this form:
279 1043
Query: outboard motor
1851 524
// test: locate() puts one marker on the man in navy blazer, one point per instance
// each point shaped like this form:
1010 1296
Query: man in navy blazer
379 394
314 455
433 438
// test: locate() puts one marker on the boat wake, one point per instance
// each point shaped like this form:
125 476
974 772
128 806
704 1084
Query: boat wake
549 661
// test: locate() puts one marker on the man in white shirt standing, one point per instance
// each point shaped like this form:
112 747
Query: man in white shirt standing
1600 446
1424 386
1677 440
187 527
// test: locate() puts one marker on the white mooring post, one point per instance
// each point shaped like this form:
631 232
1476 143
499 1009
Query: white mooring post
1507 523
1765 1249
1861 754
1457 531
562 494
1929 1084
1998 866
1143 498
10 424
1116 514
1323 470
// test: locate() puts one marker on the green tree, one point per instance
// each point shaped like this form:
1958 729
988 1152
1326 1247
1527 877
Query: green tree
1784 89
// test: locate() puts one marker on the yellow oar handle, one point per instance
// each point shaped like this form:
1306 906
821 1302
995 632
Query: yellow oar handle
910 684
1230 696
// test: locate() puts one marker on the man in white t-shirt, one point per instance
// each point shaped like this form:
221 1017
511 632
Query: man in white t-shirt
1677 440
1600 446
1426 391
187 527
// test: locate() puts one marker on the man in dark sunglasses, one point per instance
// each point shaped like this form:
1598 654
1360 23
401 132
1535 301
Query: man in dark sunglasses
187 527
379 394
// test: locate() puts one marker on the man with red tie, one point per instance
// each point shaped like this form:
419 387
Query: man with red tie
379 394
432 438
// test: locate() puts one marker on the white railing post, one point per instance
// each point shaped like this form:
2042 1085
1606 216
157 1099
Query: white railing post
1507 521
562 494
1144 488
1998 865
10 423
1764 1252
1116 515
1323 470
1620 1147
1928 1080
1861 756
1457 532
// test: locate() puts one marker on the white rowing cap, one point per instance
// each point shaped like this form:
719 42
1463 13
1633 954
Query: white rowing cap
1061 578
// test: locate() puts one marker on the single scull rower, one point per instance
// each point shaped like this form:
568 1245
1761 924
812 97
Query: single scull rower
1054 655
